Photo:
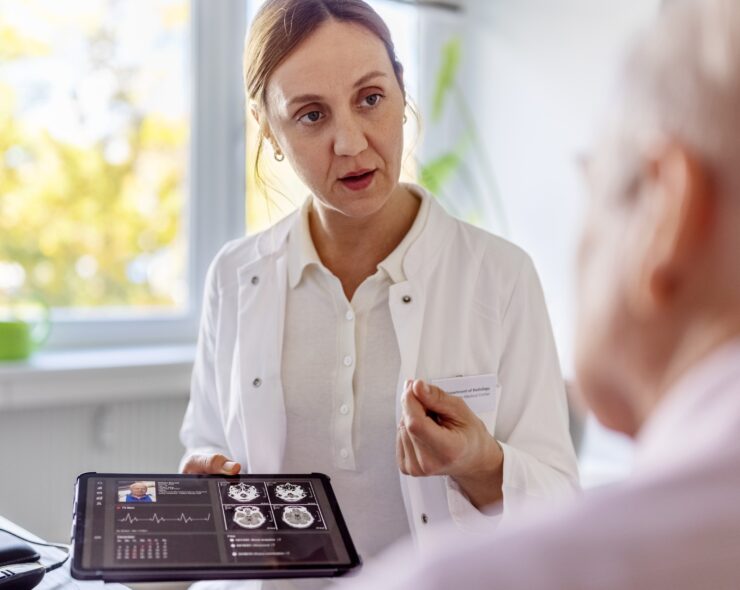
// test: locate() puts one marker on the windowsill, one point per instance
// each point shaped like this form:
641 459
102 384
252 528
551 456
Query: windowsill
96 376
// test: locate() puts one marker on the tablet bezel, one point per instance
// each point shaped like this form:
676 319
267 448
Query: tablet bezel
184 573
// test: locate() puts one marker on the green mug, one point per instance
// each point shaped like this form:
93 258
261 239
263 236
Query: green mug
18 338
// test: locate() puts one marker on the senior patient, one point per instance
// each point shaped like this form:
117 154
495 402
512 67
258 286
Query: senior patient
658 349
138 492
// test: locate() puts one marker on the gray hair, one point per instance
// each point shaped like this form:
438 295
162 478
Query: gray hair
682 80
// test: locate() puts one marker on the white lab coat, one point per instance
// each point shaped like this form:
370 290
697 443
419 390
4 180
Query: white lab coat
476 307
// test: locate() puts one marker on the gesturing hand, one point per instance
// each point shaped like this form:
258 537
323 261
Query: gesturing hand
440 435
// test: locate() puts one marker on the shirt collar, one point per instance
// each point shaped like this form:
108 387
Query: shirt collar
392 265
302 252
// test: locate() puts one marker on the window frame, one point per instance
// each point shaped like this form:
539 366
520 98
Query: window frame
215 183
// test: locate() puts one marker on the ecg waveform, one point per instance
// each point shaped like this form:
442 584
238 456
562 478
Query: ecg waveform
155 518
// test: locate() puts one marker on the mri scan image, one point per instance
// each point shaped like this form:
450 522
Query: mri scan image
298 517
243 492
249 517
289 492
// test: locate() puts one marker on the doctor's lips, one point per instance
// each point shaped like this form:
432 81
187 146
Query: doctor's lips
358 179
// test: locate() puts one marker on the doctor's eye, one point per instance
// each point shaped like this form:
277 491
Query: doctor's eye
372 100
311 118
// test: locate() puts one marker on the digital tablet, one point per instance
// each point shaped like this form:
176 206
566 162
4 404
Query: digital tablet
138 528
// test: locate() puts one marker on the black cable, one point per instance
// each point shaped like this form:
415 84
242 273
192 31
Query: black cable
47 568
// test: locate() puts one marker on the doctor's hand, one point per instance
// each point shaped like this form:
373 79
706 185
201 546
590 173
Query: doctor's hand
440 435
211 465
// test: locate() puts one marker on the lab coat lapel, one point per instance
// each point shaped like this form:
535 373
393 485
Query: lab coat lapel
406 302
425 497
407 312
262 292
407 299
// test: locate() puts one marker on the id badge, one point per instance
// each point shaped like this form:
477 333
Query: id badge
480 392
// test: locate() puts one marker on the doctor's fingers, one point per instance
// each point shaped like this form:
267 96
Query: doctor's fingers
400 455
216 464
408 463
423 425
434 399
437 447
424 436
415 463
413 412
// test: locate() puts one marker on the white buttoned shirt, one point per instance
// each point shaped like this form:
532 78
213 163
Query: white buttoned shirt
340 365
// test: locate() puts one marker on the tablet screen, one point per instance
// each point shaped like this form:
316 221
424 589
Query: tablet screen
134 523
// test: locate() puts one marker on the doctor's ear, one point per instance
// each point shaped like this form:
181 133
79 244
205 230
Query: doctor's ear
256 112
265 130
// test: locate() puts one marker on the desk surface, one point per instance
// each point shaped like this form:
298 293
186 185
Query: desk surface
59 579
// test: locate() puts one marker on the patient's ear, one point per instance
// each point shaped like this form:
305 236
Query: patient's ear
677 210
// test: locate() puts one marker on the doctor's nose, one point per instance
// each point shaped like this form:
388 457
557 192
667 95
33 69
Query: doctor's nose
349 137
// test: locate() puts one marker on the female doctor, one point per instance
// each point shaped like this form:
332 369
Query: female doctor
313 330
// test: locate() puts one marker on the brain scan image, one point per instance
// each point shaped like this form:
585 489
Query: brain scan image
243 492
249 517
289 492
298 517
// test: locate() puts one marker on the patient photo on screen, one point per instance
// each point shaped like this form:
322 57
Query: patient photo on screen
137 491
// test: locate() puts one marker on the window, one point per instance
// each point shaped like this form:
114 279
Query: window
120 168
123 154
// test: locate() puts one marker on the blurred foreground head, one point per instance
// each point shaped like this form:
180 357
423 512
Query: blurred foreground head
659 268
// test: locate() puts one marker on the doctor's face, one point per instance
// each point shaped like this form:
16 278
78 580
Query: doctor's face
335 109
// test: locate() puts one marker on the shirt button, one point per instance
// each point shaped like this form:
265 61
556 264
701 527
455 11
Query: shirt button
344 410
424 518
255 280
257 382
406 299
349 316
347 361
344 453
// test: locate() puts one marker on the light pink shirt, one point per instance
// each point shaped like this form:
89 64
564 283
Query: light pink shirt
674 525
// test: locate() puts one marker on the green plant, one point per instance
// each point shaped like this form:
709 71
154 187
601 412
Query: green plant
469 151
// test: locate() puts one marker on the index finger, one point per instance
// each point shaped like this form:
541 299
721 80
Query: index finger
411 407
215 464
